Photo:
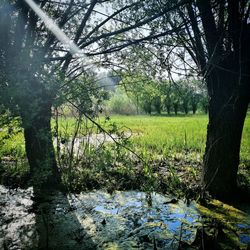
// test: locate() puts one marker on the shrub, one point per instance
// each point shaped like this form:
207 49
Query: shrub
120 103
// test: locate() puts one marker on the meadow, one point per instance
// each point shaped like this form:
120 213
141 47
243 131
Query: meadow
170 150
164 134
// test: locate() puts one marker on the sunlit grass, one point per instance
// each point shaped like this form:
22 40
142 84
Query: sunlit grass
162 134
177 142
157 134
245 143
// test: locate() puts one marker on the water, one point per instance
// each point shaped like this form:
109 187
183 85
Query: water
99 220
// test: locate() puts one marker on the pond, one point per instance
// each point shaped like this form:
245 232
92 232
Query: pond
121 220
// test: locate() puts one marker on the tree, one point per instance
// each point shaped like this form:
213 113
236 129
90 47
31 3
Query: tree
157 104
196 89
167 95
204 101
36 66
143 91
219 34
183 89
211 39
176 102
194 101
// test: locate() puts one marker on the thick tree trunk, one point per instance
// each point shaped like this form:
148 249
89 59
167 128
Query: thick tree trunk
227 112
39 148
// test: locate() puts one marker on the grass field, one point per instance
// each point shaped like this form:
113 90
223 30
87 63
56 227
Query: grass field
162 134
171 148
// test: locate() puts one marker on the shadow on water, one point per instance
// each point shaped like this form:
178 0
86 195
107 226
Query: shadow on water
58 226
127 220
50 224
121 220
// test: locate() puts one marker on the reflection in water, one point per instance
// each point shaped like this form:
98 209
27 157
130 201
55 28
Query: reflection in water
98 220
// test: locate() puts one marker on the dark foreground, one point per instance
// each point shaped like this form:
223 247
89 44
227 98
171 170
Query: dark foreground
122 220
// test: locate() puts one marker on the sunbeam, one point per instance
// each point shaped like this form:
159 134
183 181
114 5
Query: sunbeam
60 35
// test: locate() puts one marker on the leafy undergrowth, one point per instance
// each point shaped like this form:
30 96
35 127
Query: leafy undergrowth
167 176
14 172
178 175
14 168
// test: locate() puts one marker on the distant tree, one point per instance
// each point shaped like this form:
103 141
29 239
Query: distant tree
204 101
167 95
196 90
143 91
194 102
120 103
176 101
185 94
157 104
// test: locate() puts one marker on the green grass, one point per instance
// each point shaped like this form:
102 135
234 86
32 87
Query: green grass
12 144
172 149
160 135
164 135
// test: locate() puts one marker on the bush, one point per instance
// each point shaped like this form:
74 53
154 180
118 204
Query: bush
120 103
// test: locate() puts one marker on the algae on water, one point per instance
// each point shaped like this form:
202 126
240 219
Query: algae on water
123 220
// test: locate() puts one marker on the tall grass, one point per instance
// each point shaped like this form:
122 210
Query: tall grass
176 143
163 134
157 134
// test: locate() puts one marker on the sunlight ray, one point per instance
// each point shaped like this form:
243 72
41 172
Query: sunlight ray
60 35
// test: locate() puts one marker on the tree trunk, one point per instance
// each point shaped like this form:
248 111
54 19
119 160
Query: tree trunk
205 109
185 107
39 148
175 109
194 108
168 109
227 112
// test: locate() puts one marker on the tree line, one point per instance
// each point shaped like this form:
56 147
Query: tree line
138 94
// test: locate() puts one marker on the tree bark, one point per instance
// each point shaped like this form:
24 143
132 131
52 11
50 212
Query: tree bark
194 105
227 112
39 148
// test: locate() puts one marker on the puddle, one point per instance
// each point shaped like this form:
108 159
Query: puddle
123 220
95 140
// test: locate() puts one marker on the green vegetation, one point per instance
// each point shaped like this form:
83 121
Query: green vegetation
144 95
13 164
170 147
160 134
171 57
